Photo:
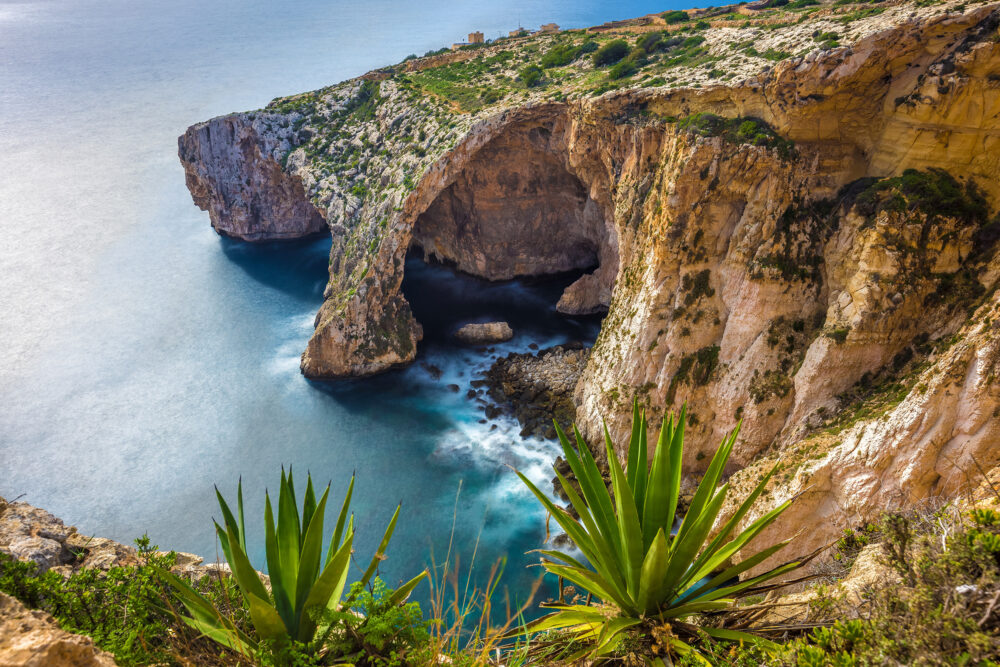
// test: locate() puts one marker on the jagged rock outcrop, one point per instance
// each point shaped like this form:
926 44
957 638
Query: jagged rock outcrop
761 249
29 533
538 388
232 168
31 638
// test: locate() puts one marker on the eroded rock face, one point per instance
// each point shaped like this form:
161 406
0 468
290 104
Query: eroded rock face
31 638
514 211
231 168
32 534
29 533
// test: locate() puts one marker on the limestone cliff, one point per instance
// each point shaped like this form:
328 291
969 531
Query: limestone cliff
789 217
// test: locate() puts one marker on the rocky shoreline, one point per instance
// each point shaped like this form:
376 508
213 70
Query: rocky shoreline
536 388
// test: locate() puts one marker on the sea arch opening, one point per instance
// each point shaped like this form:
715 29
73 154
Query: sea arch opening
516 210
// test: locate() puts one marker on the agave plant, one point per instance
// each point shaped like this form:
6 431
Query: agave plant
305 586
648 572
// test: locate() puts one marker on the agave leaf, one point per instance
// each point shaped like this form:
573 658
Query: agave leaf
329 586
380 552
192 600
266 621
282 599
312 551
566 616
632 465
611 634
308 506
600 497
338 532
695 607
603 555
628 520
593 582
223 540
222 635
576 532
713 559
229 521
686 548
205 618
288 537
706 488
735 570
654 570
246 576
401 594
566 559
684 649
642 475
592 486
675 463
737 636
741 511
728 591
239 508
664 484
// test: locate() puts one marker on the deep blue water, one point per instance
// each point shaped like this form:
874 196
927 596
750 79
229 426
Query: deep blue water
144 359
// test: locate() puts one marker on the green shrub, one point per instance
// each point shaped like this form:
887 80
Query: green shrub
378 630
939 611
650 42
623 69
530 76
610 53
652 577
559 55
738 131
305 586
934 192
675 16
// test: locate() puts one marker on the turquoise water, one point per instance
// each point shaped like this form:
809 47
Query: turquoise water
144 359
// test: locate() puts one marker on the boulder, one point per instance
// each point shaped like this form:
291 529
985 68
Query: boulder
31 638
483 333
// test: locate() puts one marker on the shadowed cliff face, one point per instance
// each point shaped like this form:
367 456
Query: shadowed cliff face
839 318
513 211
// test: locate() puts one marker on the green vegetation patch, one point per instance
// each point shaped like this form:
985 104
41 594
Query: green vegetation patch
695 369
675 16
610 53
125 610
934 193
737 131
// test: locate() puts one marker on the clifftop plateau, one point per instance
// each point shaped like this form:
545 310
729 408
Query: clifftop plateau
788 215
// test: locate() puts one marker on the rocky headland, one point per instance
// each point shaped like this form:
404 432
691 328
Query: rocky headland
792 213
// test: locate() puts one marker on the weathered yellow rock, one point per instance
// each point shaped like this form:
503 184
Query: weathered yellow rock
31 638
